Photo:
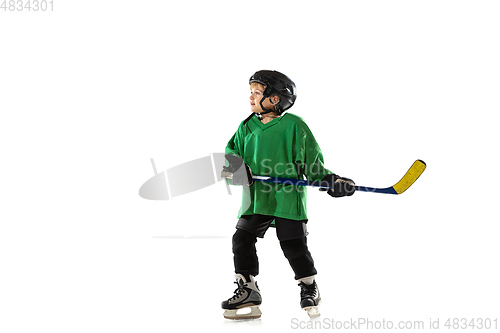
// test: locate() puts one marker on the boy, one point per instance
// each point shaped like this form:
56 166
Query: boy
270 143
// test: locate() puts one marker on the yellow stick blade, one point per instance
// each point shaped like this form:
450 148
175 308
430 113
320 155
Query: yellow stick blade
410 176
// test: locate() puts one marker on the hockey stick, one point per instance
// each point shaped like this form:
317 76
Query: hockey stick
408 179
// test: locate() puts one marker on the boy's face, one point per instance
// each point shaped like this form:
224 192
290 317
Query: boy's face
256 91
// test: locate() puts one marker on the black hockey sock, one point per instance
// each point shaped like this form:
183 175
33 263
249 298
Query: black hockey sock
246 262
299 257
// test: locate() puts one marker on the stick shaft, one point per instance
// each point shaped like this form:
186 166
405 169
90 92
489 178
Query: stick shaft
302 182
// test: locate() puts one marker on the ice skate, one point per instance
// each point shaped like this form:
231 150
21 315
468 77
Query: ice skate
245 302
310 298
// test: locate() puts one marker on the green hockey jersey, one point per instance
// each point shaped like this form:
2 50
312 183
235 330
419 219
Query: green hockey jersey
284 147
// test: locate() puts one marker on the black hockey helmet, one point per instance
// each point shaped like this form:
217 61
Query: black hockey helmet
277 84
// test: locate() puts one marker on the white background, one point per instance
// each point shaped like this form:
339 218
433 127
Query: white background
93 90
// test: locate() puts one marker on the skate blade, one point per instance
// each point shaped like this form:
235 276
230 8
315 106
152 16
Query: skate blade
234 315
313 311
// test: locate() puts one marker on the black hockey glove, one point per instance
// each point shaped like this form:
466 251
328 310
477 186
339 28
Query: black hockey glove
238 171
341 186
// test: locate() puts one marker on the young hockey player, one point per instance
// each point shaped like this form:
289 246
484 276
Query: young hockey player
271 143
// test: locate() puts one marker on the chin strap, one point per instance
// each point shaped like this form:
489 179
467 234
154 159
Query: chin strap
263 108
260 114
266 111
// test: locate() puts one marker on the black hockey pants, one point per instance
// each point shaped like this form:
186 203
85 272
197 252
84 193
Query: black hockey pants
295 250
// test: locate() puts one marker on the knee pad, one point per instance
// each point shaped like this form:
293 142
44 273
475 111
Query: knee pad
299 257
243 239
294 248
